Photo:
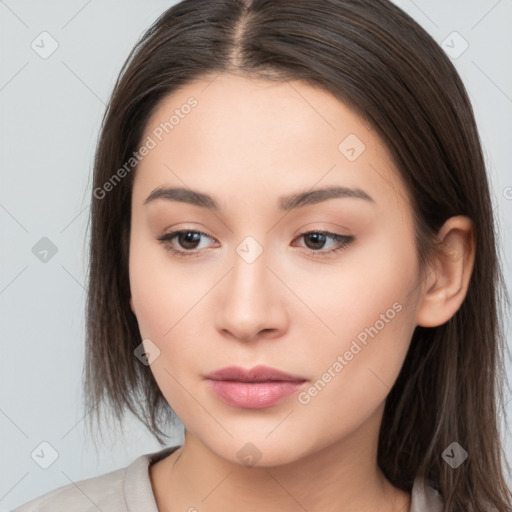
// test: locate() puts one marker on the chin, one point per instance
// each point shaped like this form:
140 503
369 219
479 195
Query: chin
256 451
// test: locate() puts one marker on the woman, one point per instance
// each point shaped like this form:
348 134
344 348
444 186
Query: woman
293 252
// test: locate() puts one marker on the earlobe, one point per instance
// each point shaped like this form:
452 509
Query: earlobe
447 282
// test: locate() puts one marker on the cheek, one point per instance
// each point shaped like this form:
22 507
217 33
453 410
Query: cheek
374 320
160 290
161 300
365 282
370 308
167 298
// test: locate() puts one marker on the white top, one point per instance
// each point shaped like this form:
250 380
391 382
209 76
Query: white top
129 490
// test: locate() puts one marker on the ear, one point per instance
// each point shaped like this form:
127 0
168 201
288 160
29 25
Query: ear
447 281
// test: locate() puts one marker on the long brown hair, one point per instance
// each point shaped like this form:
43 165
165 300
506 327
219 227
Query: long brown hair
378 60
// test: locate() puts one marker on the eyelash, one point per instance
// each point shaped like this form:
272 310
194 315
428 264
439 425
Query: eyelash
342 242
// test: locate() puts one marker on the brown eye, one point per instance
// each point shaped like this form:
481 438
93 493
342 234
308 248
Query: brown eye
316 240
188 241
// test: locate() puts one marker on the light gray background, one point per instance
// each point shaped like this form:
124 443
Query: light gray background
50 113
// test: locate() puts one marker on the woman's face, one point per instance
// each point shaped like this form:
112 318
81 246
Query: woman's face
253 284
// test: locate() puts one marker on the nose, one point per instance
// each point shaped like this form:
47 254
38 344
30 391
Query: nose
250 304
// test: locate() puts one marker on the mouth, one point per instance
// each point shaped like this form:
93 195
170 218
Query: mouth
257 374
255 388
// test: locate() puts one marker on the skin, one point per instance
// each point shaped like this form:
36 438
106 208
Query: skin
294 308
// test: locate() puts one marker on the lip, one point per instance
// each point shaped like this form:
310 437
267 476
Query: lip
257 374
254 388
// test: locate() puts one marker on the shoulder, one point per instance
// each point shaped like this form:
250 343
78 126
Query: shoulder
108 492
104 491
424 498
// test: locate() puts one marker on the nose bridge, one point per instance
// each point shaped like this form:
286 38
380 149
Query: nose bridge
249 302
251 255
249 280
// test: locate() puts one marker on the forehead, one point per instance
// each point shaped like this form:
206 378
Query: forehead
232 133
256 111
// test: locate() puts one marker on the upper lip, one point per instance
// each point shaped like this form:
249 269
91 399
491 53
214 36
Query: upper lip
257 374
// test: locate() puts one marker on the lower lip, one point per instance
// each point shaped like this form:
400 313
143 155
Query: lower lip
253 395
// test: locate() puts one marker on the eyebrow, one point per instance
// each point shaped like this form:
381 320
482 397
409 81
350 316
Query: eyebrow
286 203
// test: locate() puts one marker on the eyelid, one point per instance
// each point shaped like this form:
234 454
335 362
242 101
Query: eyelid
312 227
